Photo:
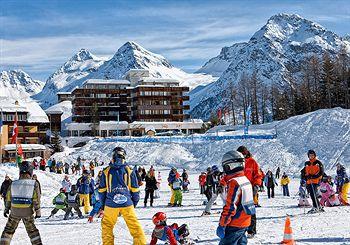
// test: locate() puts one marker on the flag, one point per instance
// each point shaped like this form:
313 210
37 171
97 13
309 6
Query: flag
247 119
15 131
219 114
248 115
19 154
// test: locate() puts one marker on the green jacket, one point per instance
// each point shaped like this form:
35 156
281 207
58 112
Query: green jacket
60 201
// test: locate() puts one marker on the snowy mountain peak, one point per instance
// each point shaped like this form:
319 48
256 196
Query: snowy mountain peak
18 84
139 57
83 55
282 44
283 26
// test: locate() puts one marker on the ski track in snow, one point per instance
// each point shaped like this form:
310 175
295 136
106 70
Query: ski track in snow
331 227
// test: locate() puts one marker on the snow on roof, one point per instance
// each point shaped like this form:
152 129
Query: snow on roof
64 108
68 93
105 81
25 147
35 113
7 106
159 80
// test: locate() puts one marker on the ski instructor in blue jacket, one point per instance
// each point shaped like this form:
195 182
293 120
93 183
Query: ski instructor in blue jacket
119 194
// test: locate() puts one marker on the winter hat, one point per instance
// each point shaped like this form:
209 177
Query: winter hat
311 152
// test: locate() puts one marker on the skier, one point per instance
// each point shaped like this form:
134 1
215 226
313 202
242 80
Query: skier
66 168
251 171
326 192
151 186
185 181
98 178
23 200
85 185
340 177
171 178
34 177
170 234
159 181
60 202
53 166
284 183
92 168
4 187
278 172
261 187
176 186
119 194
209 183
201 179
270 183
66 184
42 164
303 195
73 202
219 190
35 164
312 174
96 206
236 215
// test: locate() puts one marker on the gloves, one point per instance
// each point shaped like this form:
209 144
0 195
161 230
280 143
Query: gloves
6 213
220 232
100 213
90 219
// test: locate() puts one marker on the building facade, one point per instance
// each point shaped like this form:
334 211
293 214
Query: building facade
102 100
32 125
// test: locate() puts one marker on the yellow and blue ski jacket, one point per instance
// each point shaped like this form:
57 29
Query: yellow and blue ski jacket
118 186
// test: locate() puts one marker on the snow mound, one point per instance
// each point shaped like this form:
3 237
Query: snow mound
326 131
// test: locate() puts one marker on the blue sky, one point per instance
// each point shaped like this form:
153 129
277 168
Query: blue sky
39 36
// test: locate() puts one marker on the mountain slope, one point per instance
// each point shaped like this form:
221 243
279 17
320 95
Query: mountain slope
280 45
84 66
18 84
65 78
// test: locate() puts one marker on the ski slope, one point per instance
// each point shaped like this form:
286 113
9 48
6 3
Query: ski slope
331 227
326 131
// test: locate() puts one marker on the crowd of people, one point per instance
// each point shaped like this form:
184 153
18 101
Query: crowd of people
62 167
115 191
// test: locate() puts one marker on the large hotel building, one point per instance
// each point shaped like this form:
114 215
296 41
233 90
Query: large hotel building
137 101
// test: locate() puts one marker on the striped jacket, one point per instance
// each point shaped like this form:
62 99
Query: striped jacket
239 201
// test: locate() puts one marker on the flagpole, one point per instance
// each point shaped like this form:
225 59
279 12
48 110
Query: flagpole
16 139
2 119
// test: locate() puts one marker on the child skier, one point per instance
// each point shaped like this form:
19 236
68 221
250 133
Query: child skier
303 195
284 183
159 180
60 202
73 202
326 192
340 177
239 207
171 234
202 178
176 186
95 200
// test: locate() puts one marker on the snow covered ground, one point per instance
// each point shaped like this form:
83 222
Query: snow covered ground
331 227
326 131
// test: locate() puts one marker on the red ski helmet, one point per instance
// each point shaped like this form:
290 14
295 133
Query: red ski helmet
158 218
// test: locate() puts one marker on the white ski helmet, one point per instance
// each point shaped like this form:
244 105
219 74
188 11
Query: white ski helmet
232 161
